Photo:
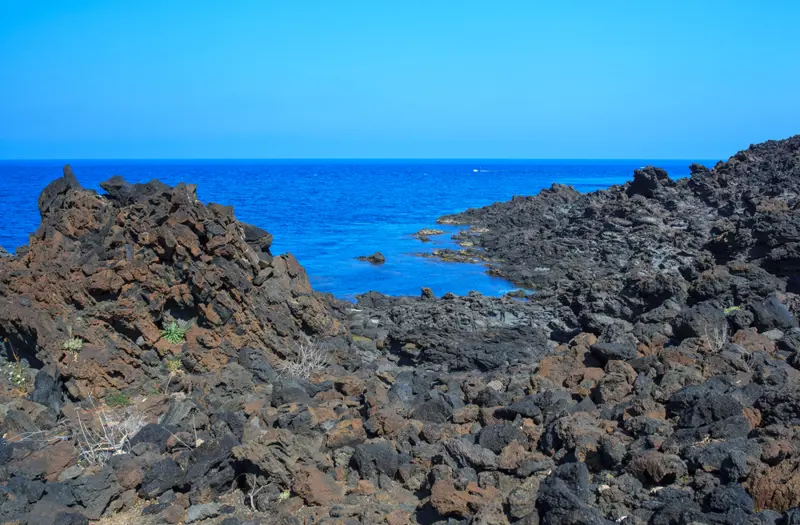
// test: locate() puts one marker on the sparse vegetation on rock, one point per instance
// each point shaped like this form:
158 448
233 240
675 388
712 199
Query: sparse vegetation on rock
309 359
102 434
173 333
118 400
73 344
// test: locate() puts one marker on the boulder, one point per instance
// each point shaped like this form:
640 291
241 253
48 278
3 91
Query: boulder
449 501
160 477
316 488
613 351
496 437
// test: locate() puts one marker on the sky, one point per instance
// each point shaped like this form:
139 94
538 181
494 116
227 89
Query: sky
396 79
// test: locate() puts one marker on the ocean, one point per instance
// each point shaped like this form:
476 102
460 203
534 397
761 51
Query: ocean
329 212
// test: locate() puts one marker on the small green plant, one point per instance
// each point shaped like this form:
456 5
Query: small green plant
73 344
730 309
173 333
15 371
17 374
118 400
173 365
283 496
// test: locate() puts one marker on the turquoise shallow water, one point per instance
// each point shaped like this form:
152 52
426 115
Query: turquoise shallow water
328 212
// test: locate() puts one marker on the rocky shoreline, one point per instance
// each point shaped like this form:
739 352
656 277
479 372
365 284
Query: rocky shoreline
161 365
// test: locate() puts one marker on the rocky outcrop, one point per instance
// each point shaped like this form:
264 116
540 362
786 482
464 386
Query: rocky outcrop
638 251
113 270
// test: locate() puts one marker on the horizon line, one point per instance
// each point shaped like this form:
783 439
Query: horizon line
302 159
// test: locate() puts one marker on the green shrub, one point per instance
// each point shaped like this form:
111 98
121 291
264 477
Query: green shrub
118 400
730 309
73 344
173 333
17 374
173 365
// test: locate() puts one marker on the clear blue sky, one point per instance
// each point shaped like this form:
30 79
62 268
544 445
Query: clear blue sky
419 79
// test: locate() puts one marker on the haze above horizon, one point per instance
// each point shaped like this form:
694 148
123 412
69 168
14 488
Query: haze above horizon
409 81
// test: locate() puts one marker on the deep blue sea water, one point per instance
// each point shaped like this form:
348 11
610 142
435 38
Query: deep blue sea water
328 212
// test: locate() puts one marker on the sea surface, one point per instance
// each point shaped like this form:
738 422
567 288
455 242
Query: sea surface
327 213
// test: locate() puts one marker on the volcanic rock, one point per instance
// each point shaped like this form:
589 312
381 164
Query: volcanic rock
375 258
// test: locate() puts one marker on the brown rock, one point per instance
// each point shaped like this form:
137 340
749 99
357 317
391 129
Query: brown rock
349 385
584 339
129 473
752 341
490 514
511 456
616 384
570 370
112 270
753 416
579 433
398 517
449 501
388 422
364 487
466 414
376 398
48 462
673 356
173 514
487 416
349 432
654 467
776 488
316 488
329 395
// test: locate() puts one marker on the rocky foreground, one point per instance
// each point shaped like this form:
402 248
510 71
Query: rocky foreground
162 366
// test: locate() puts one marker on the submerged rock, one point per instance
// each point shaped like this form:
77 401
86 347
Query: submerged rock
425 234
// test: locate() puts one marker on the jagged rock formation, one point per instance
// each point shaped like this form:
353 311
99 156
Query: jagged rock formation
114 269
